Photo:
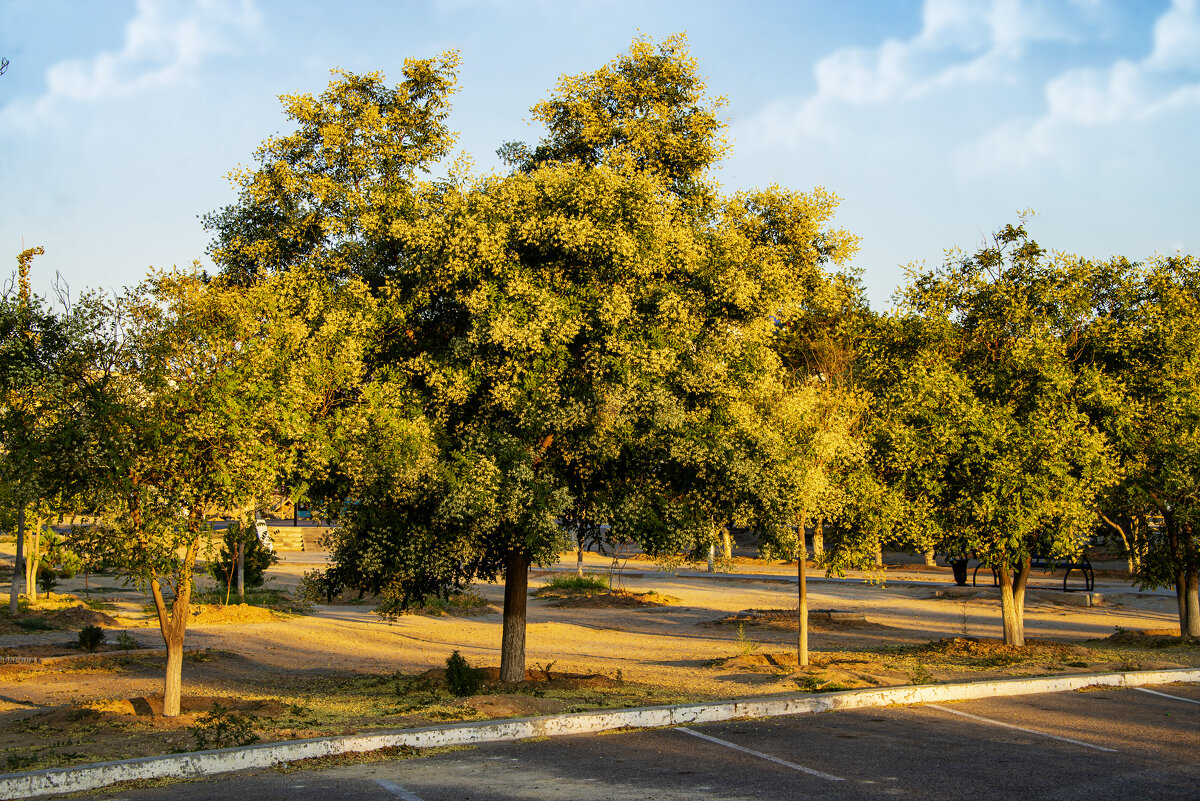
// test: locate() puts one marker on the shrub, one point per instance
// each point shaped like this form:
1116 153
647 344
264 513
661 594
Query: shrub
589 582
461 678
47 579
126 642
258 559
91 638
223 728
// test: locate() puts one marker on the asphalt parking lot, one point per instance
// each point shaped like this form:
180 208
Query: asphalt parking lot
1089 745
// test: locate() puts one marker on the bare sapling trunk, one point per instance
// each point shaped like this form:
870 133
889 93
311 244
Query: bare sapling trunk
33 558
173 625
18 566
1012 600
1130 560
801 597
1192 603
241 569
516 596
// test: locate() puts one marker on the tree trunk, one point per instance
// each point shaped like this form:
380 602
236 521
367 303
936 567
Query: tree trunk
930 559
712 555
1012 601
578 554
32 559
18 565
879 554
241 569
819 540
173 626
726 544
802 607
516 596
1192 604
1181 601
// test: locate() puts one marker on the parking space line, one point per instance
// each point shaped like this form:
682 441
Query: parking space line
1021 728
1165 695
811 772
397 790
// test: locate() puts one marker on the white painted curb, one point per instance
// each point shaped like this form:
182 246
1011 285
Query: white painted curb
225 760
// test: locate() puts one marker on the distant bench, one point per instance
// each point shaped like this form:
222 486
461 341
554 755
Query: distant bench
1048 565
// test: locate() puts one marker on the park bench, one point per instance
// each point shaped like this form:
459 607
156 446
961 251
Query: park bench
1047 565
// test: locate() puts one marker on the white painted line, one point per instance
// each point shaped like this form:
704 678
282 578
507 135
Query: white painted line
397 790
1164 695
1021 728
827 776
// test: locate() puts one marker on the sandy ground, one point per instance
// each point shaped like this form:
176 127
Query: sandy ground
670 646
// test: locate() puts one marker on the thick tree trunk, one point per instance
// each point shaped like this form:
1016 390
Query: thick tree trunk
1192 604
879 554
173 626
1012 601
18 566
930 559
516 596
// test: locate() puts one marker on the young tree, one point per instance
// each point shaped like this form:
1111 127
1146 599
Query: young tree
1145 336
210 392
990 431
46 355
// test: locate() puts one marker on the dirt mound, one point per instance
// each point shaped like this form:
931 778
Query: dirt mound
617 599
542 678
73 618
987 648
1145 638
818 619
215 614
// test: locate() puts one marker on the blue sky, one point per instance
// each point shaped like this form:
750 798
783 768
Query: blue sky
936 122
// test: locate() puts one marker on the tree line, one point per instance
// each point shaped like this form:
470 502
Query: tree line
458 369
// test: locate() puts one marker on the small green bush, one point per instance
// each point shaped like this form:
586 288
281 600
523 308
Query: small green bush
461 678
223 728
588 582
35 624
126 642
47 579
91 638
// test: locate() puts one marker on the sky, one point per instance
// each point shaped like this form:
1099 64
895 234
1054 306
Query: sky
935 122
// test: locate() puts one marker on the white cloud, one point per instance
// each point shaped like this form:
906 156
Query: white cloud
1126 91
165 43
961 43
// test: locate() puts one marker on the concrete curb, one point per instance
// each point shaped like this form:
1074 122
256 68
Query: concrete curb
226 760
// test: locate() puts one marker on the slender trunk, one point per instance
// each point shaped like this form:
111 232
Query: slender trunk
579 562
726 544
1012 601
241 569
516 595
32 559
1192 603
1129 555
18 565
801 597
1181 601
879 554
819 540
712 555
